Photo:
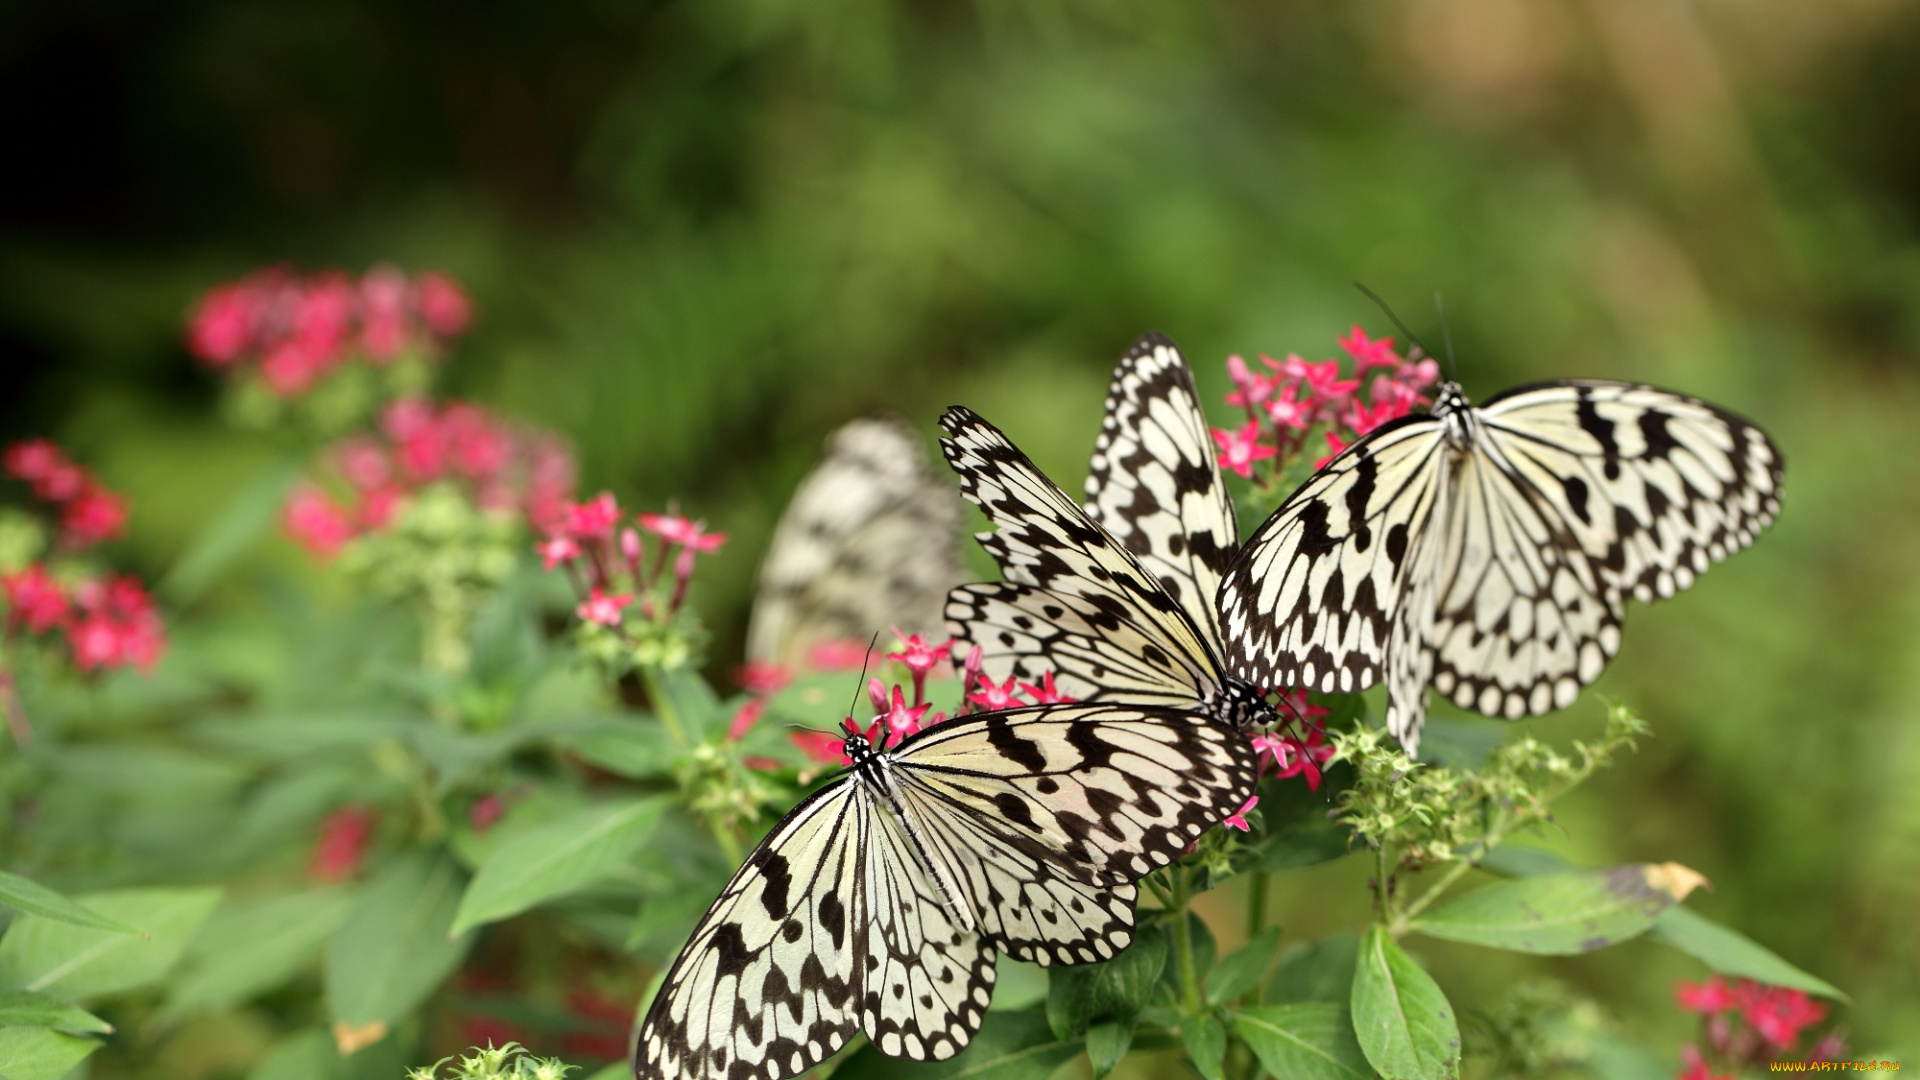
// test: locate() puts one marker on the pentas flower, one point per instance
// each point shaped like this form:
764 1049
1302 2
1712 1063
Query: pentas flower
901 720
995 697
1292 756
1045 693
675 529
555 550
1708 997
292 331
485 811
93 516
34 599
745 717
599 607
114 624
1241 448
1368 353
847 655
1696 1067
317 523
920 658
1776 1013
600 557
89 513
1238 819
763 676
342 846
594 518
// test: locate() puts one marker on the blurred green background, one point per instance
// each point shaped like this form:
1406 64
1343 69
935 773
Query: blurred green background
702 235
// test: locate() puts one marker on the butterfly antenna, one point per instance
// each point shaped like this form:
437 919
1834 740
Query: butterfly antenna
865 659
1375 297
1446 335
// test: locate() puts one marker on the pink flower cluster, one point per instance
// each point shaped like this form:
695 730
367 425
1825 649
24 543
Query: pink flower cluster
108 622
602 558
1289 753
1749 1023
296 329
342 845
501 466
89 513
1293 398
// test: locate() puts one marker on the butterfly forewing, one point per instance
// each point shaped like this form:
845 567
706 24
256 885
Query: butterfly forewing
1044 541
869 541
1154 484
770 976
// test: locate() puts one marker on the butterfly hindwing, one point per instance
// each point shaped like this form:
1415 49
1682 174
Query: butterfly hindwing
1154 483
869 541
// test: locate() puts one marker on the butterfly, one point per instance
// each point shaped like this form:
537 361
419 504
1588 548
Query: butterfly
869 541
880 902
1487 551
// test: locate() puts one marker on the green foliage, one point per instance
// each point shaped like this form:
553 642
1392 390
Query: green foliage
1554 914
396 944
1402 1020
509 1062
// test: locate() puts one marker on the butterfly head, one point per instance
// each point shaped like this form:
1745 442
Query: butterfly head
1451 409
1241 705
858 745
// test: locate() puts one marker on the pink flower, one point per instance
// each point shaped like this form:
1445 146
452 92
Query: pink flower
1696 1066
762 676
678 530
443 307
485 811
290 368
1324 378
1711 996
92 516
316 523
342 846
601 608
33 460
919 656
34 598
383 313
1363 418
1368 353
594 518
1240 449
1293 756
363 462
747 715
1252 390
1286 411
1238 819
900 721
555 550
1776 1013
1045 694
61 482
822 746
222 326
95 642
996 698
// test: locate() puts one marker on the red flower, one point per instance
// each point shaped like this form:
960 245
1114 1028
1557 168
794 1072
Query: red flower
1334 443
342 845
1696 1066
1368 353
115 625
1252 390
222 326
1324 378
594 518
92 516
61 482
1288 412
601 608
762 676
1708 997
364 462
996 698
837 655
678 530
1293 756
900 720
822 746
485 811
555 550
316 523
1777 1013
1240 449
1045 694
747 715
35 599
383 313
1238 819
33 460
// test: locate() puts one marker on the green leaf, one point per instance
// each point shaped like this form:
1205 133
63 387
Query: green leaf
1018 985
305 1055
1242 969
1107 1043
393 948
1731 953
33 898
1518 860
84 961
555 859
1084 994
1320 971
248 949
234 528
1616 1059
637 748
1553 914
1402 1020
1304 1041
38 1053
1205 1038
1010 1046
24 1008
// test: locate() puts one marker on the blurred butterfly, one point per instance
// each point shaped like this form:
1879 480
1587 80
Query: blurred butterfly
869 542
1486 551
879 903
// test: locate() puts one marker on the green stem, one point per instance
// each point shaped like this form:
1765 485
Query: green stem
663 705
1380 884
1495 832
1183 947
1257 905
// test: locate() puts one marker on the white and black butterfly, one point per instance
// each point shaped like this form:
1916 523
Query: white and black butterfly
879 903
870 541
1489 551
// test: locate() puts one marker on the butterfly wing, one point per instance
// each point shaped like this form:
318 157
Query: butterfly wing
869 541
1067 582
1655 485
1311 599
1044 817
770 982
927 981
1155 485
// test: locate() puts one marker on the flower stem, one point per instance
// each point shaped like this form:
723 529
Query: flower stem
663 705
1183 946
